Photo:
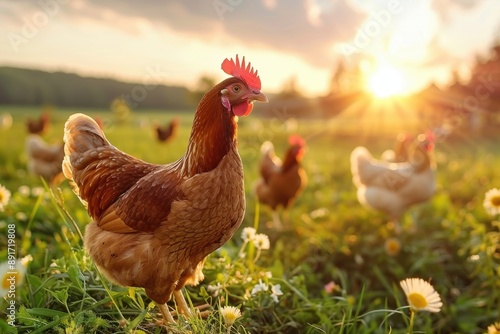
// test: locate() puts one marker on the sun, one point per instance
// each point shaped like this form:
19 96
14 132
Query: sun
386 81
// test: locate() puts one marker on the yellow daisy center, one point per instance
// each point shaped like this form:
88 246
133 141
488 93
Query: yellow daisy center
230 317
417 300
2 196
7 279
495 200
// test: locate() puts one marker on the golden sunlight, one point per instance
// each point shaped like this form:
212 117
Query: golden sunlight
386 81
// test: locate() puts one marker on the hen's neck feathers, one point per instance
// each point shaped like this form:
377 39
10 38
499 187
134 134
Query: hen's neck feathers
213 133
290 159
422 160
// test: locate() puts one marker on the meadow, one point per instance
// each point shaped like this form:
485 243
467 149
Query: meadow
328 271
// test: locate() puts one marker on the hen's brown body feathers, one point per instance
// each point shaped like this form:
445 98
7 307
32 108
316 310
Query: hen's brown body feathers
153 225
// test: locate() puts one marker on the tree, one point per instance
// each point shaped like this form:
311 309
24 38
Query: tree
290 89
338 75
204 84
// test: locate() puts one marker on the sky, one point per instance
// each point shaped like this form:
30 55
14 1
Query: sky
176 42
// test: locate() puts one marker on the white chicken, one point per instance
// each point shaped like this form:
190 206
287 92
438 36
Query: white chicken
393 187
44 159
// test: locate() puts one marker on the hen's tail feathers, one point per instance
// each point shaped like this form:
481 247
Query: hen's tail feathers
359 157
81 134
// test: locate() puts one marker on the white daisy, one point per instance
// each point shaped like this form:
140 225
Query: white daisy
421 295
261 241
4 197
492 201
10 278
248 234
494 328
230 314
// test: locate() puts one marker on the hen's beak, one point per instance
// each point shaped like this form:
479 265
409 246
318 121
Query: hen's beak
261 97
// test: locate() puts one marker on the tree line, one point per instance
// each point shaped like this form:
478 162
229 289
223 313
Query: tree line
20 86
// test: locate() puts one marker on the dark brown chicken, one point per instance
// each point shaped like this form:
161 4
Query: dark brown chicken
153 225
40 125
281 182
168 132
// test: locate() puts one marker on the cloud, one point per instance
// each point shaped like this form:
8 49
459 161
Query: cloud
305 32
444 7
305 28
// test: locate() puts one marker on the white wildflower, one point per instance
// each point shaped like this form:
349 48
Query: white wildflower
21 216
248 234
261 241
4 197
24 191
259 287
215 289
275 292
37 191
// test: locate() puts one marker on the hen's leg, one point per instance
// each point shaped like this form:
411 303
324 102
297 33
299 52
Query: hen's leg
286 217
276 220
182 306
167 317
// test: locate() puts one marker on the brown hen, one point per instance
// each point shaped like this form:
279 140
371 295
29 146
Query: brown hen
281 182
153 225
40 125
168 132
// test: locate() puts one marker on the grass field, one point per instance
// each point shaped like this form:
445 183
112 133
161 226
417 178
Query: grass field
327 272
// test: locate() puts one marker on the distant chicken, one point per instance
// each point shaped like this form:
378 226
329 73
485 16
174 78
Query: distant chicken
167 132
281 182
394 187
153 225
401 147
40 125
44 159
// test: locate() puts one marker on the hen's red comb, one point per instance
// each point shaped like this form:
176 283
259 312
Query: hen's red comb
296 140
430 136
246 73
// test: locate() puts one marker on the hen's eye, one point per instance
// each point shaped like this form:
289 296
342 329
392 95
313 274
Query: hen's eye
236 88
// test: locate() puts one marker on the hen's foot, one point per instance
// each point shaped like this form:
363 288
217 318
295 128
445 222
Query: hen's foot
278 225
183 308
200 310
167 316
